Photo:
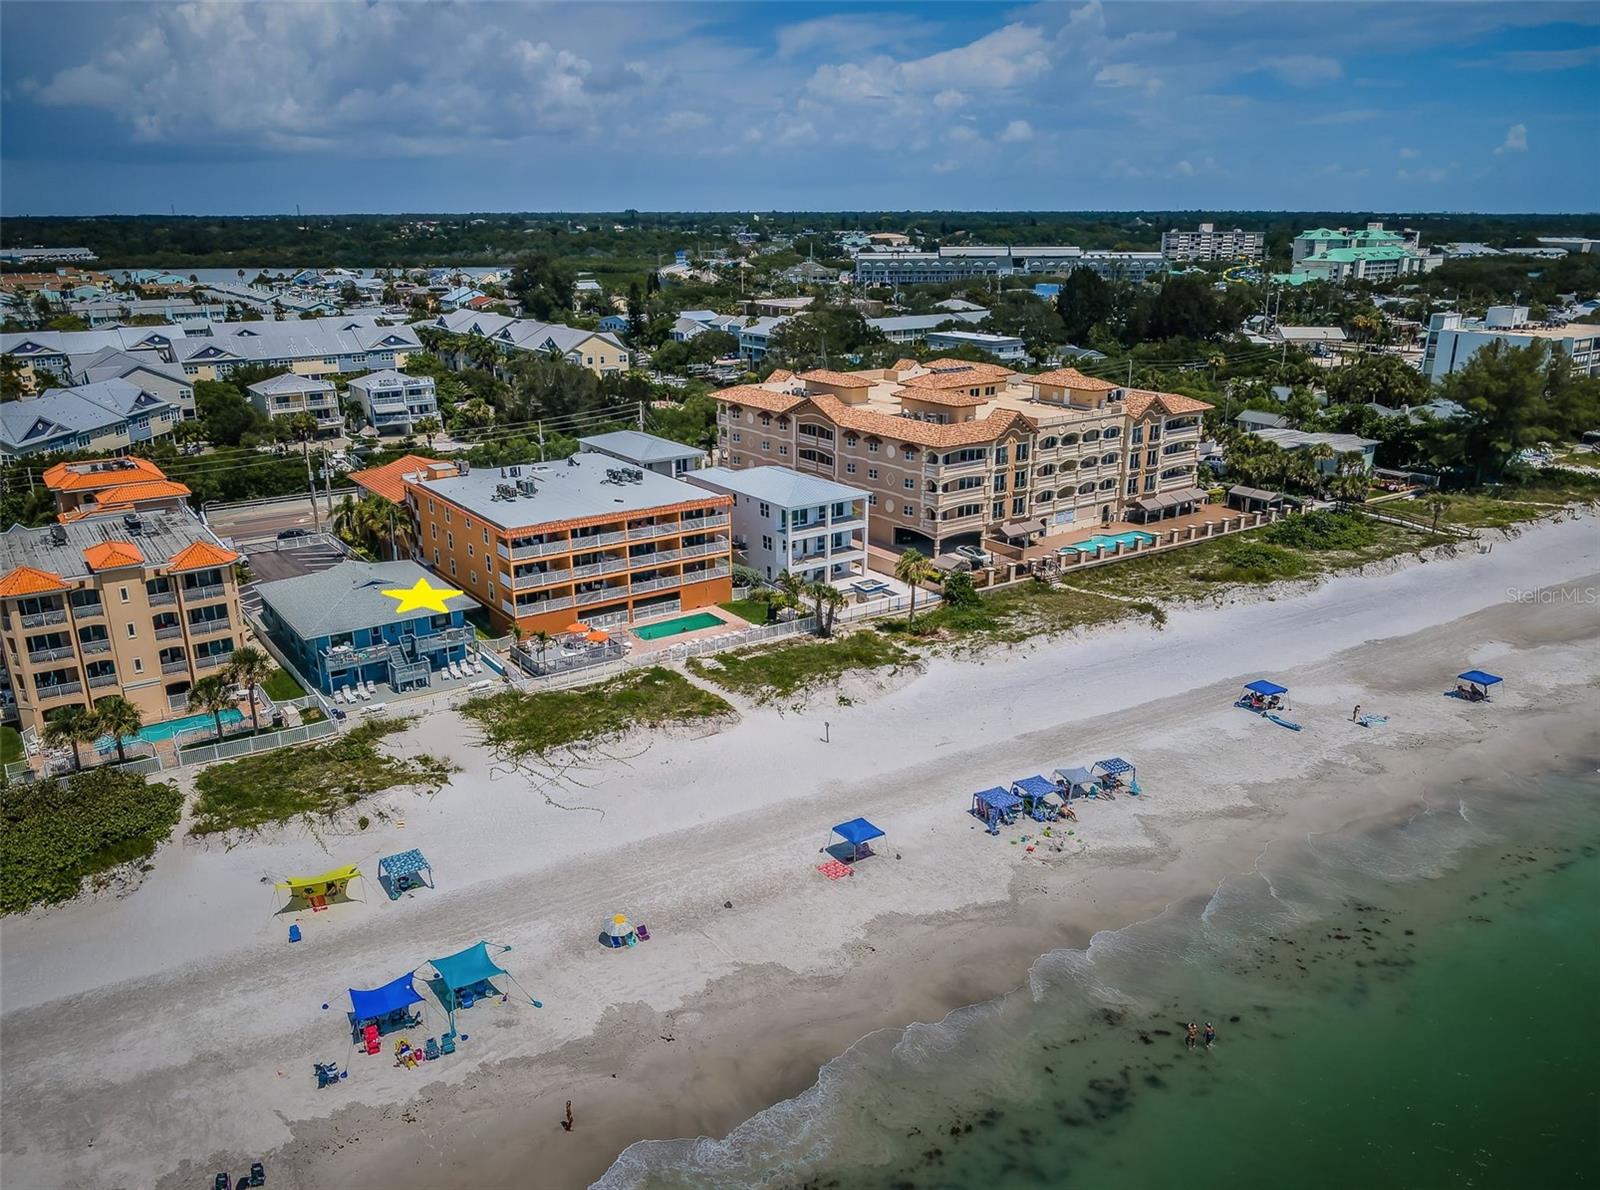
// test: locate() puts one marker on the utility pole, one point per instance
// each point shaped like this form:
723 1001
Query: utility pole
327 483
311 481
641 417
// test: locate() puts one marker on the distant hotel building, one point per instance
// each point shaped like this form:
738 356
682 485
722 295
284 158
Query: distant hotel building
1453 339
981 261
1371 253
1207 243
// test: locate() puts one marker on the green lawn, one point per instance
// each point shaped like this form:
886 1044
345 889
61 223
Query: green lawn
55 834
754 610
1498 507
1010 615
778 671
282 687
531 724
10 745
314 781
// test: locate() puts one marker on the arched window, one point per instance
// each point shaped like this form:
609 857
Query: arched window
1107 484
1049 442
1043 497
1046 469
1110 433
1107 460
1069 440
1069 465
1085 488
1091 435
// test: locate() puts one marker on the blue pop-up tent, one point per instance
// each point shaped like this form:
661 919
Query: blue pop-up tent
993 805
1265 688
1260 694
1481 681
856 833
403 871
383 1006
464 976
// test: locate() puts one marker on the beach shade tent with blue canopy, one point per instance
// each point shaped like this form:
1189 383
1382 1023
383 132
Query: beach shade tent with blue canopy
1114 769
857 834
1032 791
1481 681
466 970
404 870
992 805
383 1006
1265 688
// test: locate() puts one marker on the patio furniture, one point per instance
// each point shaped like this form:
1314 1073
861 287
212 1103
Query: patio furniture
447 1043
431 1049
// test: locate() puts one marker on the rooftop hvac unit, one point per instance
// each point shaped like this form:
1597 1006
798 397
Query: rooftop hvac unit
58 534
132 523
514 471
528 486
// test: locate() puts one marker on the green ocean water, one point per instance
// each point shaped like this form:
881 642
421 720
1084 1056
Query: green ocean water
1413 1006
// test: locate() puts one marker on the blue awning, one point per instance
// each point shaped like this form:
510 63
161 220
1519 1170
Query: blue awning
1114 766
405 863
1262 686
466 967
857 831
1034 786
371 1003
998 799
1478 676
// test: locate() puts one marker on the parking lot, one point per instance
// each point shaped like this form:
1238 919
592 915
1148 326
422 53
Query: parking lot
271 560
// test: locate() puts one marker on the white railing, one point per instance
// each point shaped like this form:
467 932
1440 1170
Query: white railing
587 597
266 742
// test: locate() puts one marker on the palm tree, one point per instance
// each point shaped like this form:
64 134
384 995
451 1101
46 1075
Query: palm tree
248 667
428 427
71 725
913 569
211 694
826 601
119 718
1437 505
791 592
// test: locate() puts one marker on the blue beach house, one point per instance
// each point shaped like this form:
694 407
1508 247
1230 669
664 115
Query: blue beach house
339 628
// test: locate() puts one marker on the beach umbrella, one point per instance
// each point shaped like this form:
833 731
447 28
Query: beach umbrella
597 637
577 628
618 932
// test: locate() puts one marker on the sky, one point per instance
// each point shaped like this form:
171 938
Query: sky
241 108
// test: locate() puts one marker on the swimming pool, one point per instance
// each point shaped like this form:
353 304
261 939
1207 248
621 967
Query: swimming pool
1102 541
152 733
680 625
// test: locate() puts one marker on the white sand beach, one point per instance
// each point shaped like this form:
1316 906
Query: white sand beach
154 1039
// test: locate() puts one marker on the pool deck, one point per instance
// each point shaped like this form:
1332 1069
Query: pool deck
1077 534
728 623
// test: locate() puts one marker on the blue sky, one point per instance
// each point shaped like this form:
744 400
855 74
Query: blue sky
251 108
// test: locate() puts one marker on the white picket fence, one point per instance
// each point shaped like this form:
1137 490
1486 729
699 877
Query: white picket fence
244 746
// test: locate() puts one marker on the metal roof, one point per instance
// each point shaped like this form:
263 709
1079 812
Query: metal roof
776 485
639 447
163 534
349 596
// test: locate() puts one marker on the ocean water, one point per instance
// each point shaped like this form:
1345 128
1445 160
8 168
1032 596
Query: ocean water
1410 1006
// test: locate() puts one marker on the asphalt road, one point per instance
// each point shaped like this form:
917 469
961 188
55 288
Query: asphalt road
245 524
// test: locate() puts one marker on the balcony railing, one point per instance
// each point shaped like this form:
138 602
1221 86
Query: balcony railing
609 566
544 605
580 543
170 632
52 654
544 578
103 645
98 680
207 627
58 689
587 597
539 549
157 598
181 665
695 524
85 611
200 594
719 546
212 660
661 530
55 615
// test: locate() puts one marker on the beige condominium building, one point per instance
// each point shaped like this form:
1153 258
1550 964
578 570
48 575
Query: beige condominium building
141 604
952 452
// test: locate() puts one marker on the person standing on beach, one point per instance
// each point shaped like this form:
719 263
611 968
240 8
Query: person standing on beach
1355 714
1193 1033
567 1123
1210 1034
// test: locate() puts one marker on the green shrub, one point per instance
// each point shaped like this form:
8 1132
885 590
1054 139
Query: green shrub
1322 530
1251 562
55 833
958 590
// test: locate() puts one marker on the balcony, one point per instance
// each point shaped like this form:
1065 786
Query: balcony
158 598
87 611
580 544
203 594
58 653
169 632
211 660
538 579
719 546
180 665
58 690
617 592
54 615
209 627
636 532
96 681
102 645
657 584
539 607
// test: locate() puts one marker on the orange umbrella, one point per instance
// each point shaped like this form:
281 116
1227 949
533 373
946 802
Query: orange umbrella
579 628
597 637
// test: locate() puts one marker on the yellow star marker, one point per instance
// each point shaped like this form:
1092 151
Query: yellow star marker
422 597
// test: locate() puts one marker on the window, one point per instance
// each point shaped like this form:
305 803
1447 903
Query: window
122 593
872 473
486 537
1022 452
1107 484
133 629
1046 469
452 567
872 499
821 458
911 510
1019 506
435 527
469 550
764 508
1091 435
1001 455
783 449
1000 481
910 485
1150 458
449 541
1108 460
1085 488
1111 432
472 577
1150 483
766 543
1049 443
736 436
849 468
1044 496
138 665
851 440
766 445
998 510
436 557
1069 440
872 445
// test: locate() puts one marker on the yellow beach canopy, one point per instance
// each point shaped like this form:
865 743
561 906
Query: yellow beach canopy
327 884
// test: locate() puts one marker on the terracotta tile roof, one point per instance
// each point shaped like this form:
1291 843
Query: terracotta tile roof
113 555
385 480
150 489
959 375
780 375
907 429
757 398
80 477
904 365
955 398
1071 378
1139 400
837 379
25 580
971 366
200 555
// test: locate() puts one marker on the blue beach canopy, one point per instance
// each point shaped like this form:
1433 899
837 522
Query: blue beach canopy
998 799
1035 787
1478 676
1114 766
405 863
466 967
857 831
1264 687
372 1003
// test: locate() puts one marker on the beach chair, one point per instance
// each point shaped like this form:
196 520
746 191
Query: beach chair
369 1039
431 1049
222 1182
371 689
466 998
447 1044
258 1174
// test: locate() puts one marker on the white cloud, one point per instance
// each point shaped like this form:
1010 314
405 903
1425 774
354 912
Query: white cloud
1516 140
1304 70
950 99
1430 174
865 31
1016 132
1410 154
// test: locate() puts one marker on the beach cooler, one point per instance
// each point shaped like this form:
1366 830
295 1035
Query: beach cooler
369 1037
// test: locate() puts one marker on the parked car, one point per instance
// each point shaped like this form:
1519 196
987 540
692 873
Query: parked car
974 554
291 534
